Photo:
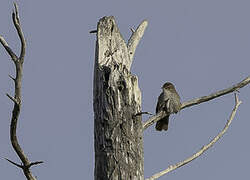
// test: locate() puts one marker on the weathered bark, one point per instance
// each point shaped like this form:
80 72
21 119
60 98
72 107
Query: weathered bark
117 97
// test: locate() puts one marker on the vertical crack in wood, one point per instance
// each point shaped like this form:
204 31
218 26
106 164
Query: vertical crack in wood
117 97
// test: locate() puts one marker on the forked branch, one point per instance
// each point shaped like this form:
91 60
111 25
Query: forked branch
204 148
16 21
196 101
17 99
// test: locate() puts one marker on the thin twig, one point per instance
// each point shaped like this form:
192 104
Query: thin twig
204 148
35 163
132 30
141 113
11 77
22 166
93 31
18 165
11 98
196 101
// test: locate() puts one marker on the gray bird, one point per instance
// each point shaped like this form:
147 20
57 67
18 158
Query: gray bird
169 101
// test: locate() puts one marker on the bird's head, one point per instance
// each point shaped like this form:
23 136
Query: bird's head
168 86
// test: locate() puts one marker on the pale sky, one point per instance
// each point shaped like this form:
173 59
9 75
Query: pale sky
200 46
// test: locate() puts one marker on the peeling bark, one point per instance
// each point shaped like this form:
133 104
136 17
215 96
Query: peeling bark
117 98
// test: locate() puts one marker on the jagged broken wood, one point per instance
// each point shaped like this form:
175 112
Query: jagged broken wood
17 99
196 101
117 98
204 148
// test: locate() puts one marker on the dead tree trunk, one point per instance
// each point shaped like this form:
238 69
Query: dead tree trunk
117 98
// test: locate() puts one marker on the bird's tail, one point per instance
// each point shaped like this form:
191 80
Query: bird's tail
162 124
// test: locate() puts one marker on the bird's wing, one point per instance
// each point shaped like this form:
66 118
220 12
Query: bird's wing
160 103
177 103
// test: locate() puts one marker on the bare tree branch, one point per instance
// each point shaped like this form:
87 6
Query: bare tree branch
154 119
8 49
135 38
11 77
196 101
216 94
141 113
18 165
11 98
35 163
93 31
16 21
204 148
132 30
17 99
22 166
